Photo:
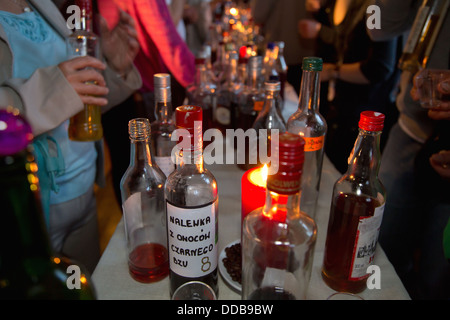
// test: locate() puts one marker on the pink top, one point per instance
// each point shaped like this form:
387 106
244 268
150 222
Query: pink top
162 48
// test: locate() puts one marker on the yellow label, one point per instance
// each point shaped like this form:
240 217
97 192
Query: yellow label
314 144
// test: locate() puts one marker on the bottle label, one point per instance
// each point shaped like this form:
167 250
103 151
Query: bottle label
165 164
258 105
192 240
313 143
365 244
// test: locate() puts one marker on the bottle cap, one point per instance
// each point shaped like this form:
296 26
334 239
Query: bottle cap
272 85
161 80
15 132
271 45
190 117
139 129
312 64
289 152
371 121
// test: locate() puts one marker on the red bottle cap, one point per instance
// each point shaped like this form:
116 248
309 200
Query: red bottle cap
190 117
290 149
84 5
371 121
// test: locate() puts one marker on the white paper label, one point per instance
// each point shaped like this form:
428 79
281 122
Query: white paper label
192 240
365 244
165 164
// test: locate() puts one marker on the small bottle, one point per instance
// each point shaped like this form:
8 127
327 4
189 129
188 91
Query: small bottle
203 93
423 34
163 126
85 125
192 208
29 269
310 124
278 239
356 212
227 95
281 66
142 190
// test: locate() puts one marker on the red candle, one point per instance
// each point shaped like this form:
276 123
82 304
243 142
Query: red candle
253 190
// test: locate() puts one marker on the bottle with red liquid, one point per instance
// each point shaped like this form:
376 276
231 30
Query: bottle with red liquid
356 212
278 239
142 189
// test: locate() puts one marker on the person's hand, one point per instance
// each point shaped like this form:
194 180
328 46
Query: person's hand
440 162
313 5
309 28
328 72
88 82
120 45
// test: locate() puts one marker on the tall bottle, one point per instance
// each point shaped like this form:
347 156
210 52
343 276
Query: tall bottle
227 96
423 34
203 93
309 123
356 212
163 126
192 208
281 66
279 239
268 120
29 269
85 125
142 190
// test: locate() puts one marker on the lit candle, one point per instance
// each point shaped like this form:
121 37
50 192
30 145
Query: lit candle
253 193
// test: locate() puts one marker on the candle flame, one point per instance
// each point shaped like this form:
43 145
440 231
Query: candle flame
259 176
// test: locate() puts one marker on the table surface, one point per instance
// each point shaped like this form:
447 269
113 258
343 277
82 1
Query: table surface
113 281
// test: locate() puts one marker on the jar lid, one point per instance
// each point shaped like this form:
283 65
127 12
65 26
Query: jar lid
15 132
312 64
371 121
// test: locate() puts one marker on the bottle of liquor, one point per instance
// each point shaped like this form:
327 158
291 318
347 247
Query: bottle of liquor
85 125
309 123
270 69
203 93
425 29
227 96
29 269
278 239
356 212
281 66
142 190
192 208
163 126
268 120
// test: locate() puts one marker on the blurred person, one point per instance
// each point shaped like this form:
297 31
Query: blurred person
359 74
198 19
414 167
38 78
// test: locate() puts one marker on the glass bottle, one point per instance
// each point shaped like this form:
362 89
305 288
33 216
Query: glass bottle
163 126
356 212
203 93
270 69
310 124
227 95
281 66
85 125
29 269
142 190
278 239
192 208
424 31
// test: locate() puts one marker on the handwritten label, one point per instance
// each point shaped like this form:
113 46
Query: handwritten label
314 143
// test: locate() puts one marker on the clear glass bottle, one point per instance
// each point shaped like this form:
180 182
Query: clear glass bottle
29 269
142 190
192 208
278 239
281 66
85 125
203 93
356 212
227 96
424 31
311 125
164 125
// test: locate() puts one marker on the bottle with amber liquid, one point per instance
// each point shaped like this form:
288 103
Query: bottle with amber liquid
311 125
28 267
142 190
192 207
85 125
278 239
423 34
356 212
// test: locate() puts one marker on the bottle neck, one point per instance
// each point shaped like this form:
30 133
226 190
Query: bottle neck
86 20
140 153
271 103
309 91
201 76
253 79
281 207
163 104
364 161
